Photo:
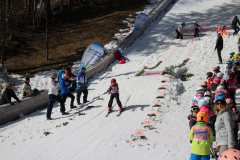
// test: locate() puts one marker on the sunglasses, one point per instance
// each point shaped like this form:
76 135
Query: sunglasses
219 103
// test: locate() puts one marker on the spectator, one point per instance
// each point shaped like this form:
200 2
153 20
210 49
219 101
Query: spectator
60 73
53 96
26 88
8 93
219 47
69 71
65 90
223 125
82 85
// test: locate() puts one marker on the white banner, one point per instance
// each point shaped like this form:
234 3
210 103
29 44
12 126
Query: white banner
91 54
139 21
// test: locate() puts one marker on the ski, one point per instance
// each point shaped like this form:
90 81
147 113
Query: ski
120 112
213 153
108 114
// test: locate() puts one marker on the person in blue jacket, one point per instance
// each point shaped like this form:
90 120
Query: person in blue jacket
82 85
60 73
64 84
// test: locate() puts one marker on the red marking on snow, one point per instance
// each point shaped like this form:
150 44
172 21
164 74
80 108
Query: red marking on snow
166 80
205 29
164 86
188 54
153 112
140 132
152 73
162 93
169 76
129 140
147 121
157 103
173 50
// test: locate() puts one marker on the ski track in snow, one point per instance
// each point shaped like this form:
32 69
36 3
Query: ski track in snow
94 136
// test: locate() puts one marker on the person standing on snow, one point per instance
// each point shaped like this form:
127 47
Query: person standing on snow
179 30
82 85
201 136
114 91
60 73
53 96
219 47
223 125
234 25
196 28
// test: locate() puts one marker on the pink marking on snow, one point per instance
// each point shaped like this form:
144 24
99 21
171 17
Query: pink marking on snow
147 121
188 54
140 132
173 50
164 86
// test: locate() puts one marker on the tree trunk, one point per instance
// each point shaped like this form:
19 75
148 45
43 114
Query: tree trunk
61 5
69 4
3 40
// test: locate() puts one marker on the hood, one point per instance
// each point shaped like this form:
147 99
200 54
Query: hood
225 110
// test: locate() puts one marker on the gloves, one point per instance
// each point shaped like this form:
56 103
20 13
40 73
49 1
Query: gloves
12 103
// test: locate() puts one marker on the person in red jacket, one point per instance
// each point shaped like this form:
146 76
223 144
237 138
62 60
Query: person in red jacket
69 71
232 84
114 91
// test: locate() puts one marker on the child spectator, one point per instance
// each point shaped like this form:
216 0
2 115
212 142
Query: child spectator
221 89
201 136
114 91
193 116
198 96
209 78
232 84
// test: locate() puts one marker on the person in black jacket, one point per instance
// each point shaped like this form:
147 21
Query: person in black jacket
8 93
219 47
234 25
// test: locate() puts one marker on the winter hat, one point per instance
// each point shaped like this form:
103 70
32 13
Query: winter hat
219 34
202 102
219 75
83 68
232 53
236 17
113 80
27 79
215 69
183 23
231 74
220 98
194 22
209 74
207 93
64 75
220 87
194 108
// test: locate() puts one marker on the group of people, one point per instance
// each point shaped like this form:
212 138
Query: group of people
62 84
197 28
8 93
214 113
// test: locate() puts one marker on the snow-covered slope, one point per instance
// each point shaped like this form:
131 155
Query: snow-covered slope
94 136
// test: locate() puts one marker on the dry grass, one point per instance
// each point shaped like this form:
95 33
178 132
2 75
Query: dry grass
69 35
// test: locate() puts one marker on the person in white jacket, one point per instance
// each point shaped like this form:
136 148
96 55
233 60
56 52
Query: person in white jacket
53 96
223 125
179 30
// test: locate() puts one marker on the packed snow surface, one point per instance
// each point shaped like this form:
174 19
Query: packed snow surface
94 136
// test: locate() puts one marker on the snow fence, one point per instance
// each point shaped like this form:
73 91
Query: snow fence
10 112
